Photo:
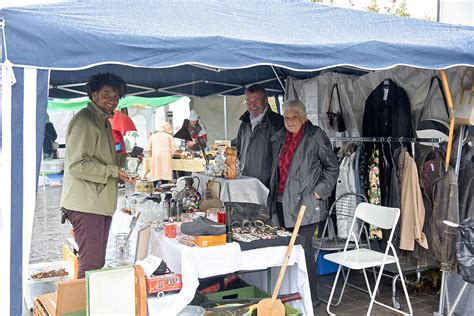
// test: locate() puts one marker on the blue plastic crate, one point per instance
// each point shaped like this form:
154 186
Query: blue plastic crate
324 266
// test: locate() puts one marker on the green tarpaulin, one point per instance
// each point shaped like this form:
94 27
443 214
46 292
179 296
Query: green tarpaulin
55 105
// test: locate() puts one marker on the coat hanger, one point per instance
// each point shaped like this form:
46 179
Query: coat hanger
400 139
383 151
386 87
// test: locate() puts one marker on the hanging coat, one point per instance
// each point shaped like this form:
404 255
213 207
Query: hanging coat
346 184
412 215
387 112
162 146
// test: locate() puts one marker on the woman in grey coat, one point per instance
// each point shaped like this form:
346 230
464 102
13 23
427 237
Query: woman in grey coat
304 172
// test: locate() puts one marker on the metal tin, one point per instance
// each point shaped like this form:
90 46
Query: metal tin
144 186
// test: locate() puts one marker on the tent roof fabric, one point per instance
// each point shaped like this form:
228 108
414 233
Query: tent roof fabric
296 35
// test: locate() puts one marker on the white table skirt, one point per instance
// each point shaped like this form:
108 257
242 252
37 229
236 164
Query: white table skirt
241 189
195 262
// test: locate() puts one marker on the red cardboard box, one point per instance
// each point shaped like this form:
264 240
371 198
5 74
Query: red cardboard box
163 283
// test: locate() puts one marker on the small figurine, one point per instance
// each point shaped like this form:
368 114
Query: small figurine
231 163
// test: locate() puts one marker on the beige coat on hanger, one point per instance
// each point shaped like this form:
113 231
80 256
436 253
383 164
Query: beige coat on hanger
412 215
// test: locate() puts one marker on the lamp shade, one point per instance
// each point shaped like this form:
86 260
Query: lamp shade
183 132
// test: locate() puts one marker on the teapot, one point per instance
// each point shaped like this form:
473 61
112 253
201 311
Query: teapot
185 188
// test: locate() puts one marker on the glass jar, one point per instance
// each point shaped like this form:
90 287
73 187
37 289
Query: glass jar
122 246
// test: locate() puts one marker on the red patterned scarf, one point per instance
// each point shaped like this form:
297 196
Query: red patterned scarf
287 154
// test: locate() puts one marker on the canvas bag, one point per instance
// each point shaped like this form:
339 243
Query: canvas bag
428 127
336 120
464 102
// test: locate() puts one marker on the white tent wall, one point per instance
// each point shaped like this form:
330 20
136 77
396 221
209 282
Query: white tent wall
211 111
354 90
315 93
24 100
144 120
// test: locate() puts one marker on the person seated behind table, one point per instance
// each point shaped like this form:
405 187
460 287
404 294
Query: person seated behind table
197 130
304 172
259 123
160 148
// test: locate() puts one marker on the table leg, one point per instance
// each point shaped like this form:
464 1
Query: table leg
269 280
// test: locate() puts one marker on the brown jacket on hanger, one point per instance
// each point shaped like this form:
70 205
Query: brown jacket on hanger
412 208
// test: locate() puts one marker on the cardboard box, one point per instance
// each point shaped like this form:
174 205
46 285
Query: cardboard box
163 283
70 299
209 241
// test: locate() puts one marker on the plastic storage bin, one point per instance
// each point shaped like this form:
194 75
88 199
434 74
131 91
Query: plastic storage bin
52 166
324 266
47 285
248 292
55 180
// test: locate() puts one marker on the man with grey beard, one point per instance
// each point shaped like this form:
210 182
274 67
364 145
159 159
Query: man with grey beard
259 123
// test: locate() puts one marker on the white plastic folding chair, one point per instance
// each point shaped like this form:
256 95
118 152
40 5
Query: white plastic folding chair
363 258
344 207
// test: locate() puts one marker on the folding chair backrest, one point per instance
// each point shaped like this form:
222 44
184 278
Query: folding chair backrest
380 216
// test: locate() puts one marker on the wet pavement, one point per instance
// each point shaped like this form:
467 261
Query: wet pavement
49 236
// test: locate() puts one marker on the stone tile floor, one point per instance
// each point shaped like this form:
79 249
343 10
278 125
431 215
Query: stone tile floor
356 302
49 235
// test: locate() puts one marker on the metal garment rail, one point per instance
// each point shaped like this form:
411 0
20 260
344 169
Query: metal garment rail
387 140
384 139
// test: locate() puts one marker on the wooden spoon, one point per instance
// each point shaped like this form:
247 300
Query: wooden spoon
272 306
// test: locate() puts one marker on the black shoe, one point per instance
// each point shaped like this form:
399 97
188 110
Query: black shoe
203 226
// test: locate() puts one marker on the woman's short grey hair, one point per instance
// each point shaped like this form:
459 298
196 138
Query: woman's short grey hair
296 105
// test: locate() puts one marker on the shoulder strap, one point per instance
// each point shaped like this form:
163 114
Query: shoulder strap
429 96
335 87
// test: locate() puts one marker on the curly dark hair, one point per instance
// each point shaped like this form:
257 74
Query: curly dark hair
98 81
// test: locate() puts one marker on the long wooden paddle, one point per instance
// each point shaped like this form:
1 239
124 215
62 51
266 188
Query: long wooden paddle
272 306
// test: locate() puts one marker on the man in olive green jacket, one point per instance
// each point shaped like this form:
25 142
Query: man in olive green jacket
92 171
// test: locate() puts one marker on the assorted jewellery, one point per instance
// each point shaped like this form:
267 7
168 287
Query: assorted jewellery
248 231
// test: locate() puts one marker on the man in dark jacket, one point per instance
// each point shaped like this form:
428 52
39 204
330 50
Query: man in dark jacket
259 123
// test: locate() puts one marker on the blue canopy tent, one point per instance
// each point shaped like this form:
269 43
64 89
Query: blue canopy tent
182 47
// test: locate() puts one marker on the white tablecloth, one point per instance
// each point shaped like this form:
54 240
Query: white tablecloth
242 189
195 262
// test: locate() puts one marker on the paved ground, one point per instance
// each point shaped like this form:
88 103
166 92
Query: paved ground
49 236
355 302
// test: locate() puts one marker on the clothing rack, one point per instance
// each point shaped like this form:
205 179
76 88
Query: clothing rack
399 140
385 139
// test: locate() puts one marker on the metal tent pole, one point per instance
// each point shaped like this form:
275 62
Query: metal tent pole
225 117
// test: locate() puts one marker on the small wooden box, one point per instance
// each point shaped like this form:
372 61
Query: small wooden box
209 241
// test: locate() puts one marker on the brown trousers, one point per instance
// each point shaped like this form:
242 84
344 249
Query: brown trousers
91 232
